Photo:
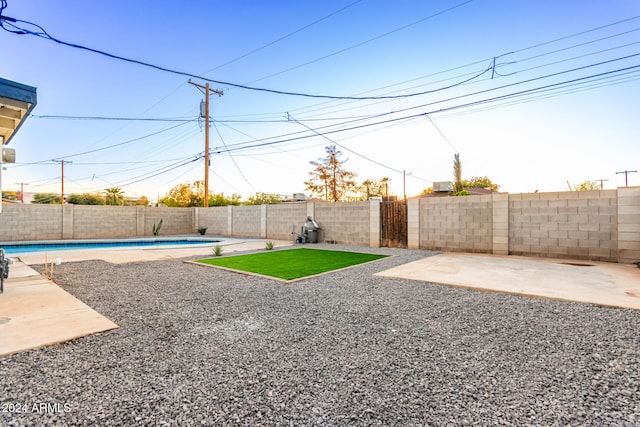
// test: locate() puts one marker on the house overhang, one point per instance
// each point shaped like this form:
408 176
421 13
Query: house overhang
16 102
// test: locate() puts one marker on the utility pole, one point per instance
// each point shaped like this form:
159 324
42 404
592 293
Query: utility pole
404 184
62 190
626 176
22 184
206 137
601 182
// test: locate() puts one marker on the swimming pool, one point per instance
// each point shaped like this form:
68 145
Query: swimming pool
12 248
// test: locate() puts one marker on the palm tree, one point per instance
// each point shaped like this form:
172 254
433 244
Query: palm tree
114 196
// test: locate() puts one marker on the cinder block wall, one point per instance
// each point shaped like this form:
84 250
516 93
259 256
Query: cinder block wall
21 222
245 221
629 224
457 224
594 225
282 218
214 218
576 224
344 222
174 220
102 221
30 222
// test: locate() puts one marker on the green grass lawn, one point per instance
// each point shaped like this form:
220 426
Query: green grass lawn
292 264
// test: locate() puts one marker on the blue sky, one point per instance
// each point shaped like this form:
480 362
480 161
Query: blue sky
559 105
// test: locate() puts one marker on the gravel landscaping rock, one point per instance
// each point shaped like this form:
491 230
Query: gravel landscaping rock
201 346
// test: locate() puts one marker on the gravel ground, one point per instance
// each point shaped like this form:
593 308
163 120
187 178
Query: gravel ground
200 346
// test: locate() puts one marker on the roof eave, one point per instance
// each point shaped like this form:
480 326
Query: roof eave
17 100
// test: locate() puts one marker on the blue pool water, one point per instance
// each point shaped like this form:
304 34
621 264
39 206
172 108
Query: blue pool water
14 248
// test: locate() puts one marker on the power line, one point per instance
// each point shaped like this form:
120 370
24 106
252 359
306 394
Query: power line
573 35
42 33
517 61
442 134
232 159
355 152
581 86
240 146
404 27
97 118
163 170
576 34
285 36
527 81
121 119
118 144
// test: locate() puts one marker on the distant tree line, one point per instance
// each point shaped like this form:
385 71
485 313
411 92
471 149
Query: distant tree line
192 195
113 196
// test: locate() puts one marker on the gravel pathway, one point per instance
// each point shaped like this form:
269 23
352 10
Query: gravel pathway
200 346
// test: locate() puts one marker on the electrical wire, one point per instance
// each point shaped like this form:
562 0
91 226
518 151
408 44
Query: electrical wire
388 33
355 152
502 55
576 34
580 86
115 145
121 119
283 37
442 134
520 50
232 159
441 110
42 33
157 172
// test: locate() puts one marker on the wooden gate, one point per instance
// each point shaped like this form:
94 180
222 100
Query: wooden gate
393 224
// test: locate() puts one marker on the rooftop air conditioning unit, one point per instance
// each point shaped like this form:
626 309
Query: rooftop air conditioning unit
443 186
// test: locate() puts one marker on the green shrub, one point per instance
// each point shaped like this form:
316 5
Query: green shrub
202 230
268 245
217 250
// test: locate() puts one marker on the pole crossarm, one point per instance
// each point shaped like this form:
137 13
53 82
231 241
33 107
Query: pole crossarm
626 176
